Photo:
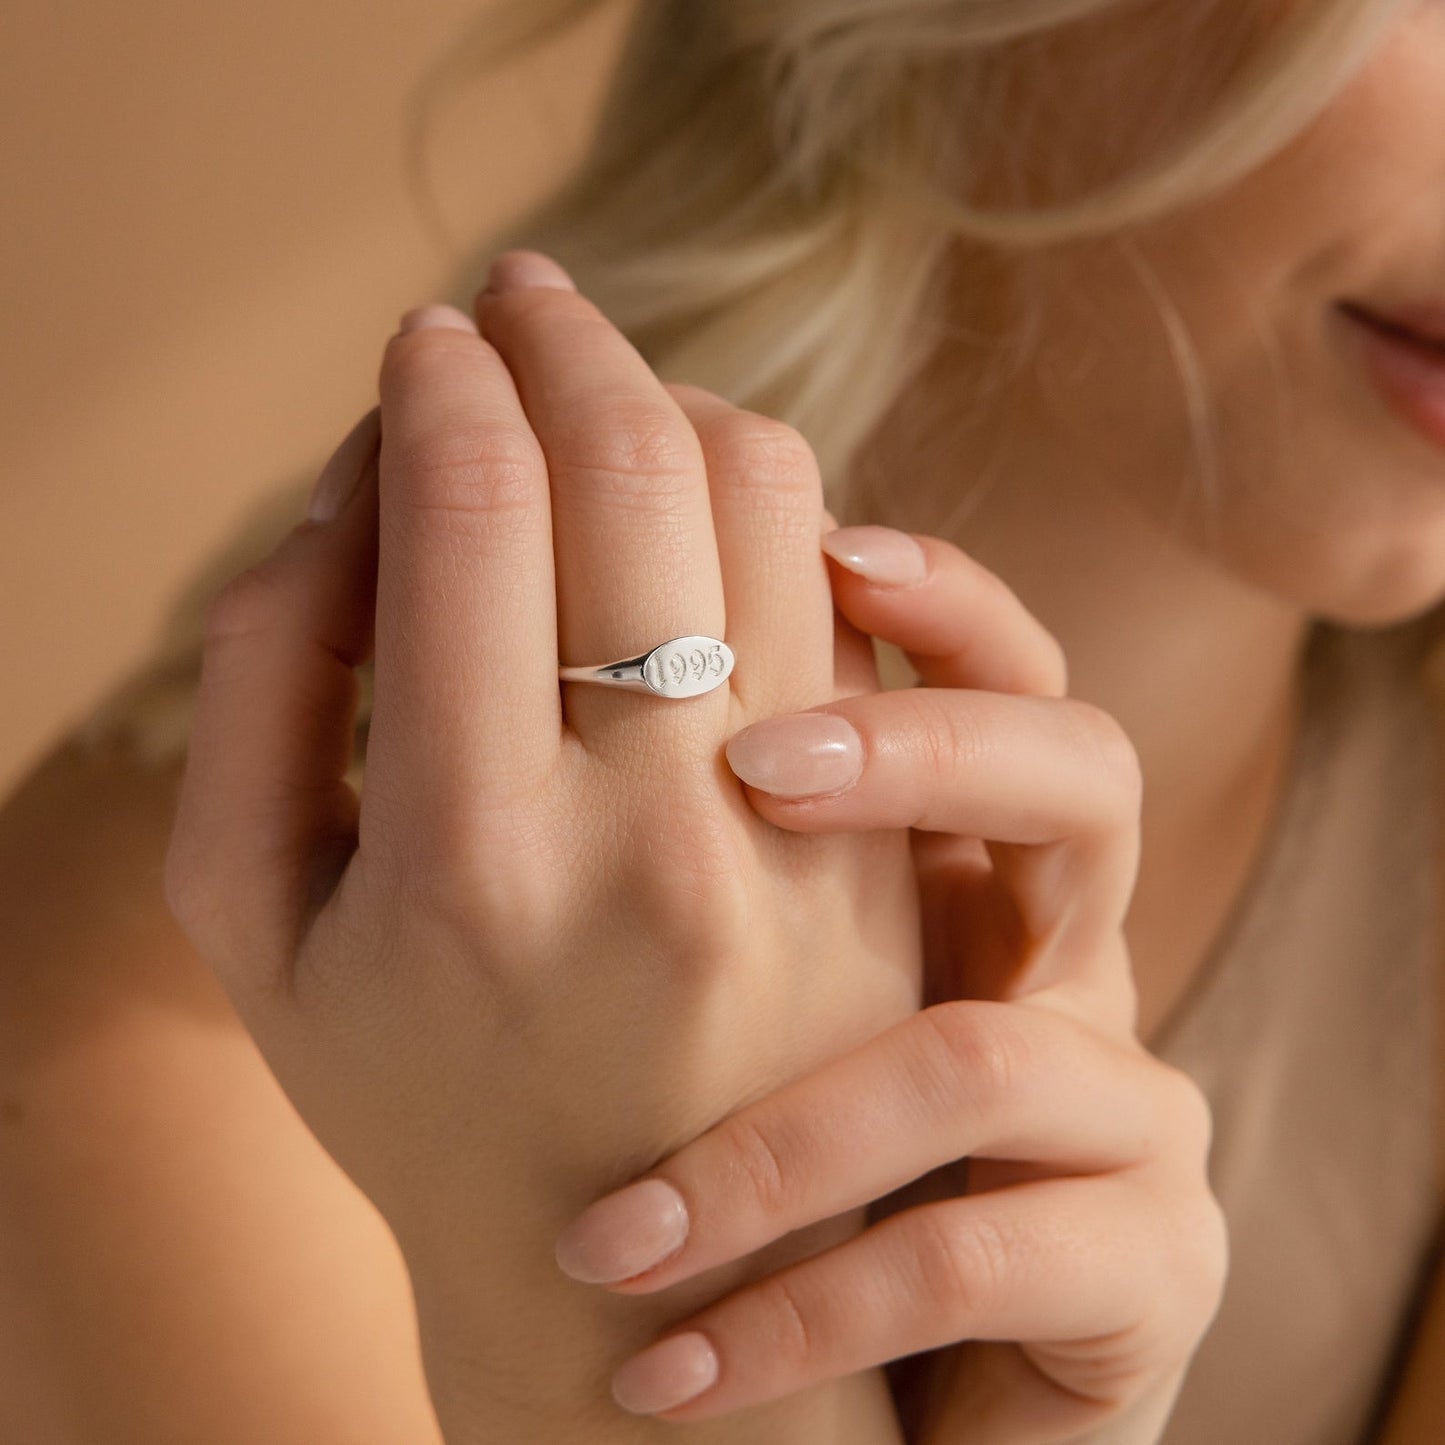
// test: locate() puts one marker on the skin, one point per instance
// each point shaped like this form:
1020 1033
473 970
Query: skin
1185 622
1182 620
1249 602
399 957
540 950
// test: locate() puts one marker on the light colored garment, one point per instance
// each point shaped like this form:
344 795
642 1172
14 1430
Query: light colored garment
1311 1029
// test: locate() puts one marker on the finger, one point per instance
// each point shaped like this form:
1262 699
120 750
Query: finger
855 663
958 623
767 509
265 819
465 710
964 1078
1083 1261
1053 783
636 558
993 1397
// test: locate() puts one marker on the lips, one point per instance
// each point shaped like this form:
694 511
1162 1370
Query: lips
1424 325
1406 366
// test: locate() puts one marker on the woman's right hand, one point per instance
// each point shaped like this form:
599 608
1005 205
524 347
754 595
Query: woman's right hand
1046 1252
550 941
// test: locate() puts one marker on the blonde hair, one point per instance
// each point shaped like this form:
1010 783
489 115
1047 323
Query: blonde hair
775 197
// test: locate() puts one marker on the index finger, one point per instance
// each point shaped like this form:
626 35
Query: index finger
1052 786
466 707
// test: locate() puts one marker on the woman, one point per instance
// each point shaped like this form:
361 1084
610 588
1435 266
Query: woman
1259 219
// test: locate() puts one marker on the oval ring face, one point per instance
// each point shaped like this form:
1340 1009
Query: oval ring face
687 666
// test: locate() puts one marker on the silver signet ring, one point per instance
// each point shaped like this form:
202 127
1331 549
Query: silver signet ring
681 667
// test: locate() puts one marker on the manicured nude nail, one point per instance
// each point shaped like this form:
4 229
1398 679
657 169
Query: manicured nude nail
336 485
513 270
668 1373
798 756
881 554
437 317
624 1233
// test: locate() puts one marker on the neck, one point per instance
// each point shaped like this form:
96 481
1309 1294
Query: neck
1201 669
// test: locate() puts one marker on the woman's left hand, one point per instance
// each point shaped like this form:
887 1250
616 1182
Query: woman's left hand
1044 1205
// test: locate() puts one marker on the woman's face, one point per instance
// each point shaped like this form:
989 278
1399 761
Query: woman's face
1325 496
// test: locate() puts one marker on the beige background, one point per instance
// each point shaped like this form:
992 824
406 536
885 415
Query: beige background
209 236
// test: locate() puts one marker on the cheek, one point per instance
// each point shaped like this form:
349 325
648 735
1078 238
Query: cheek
1355 204
1236 295
1357 201
1243 283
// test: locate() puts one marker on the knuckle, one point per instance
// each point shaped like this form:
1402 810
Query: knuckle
630 450
970 1050
415 356
790 1339
950 741
766 452
1058 662
685 392
205 912
251 602
471 471
1190 1118
485 876
1048 665
434 362
541 305
1199 1263
1102 739
757 1161
688 886
963 1265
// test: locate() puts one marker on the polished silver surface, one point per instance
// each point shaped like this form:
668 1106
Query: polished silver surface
680 667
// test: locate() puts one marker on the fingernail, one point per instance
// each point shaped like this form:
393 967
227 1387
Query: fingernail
337 483
513 270
624 1233
798 756
881 554
668 1373
437 317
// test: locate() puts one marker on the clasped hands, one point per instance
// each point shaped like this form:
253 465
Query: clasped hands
799 1007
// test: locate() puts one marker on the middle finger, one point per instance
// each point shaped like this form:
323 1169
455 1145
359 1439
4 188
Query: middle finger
636 557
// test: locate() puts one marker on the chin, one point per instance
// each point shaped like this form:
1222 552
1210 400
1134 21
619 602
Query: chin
1396 589
1362 557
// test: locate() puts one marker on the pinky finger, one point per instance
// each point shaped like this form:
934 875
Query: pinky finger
1048 1260
265 818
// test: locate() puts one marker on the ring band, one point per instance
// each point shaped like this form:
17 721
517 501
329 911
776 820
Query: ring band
680 667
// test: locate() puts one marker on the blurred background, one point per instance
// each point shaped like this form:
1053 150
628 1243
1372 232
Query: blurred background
211 227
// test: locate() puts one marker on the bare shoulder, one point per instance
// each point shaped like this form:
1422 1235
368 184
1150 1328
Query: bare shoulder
179 1258
82 910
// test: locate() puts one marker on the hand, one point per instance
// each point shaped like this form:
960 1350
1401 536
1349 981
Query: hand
1061 1224
550 941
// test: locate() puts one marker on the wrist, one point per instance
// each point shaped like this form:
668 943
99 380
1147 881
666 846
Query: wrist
515 1350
